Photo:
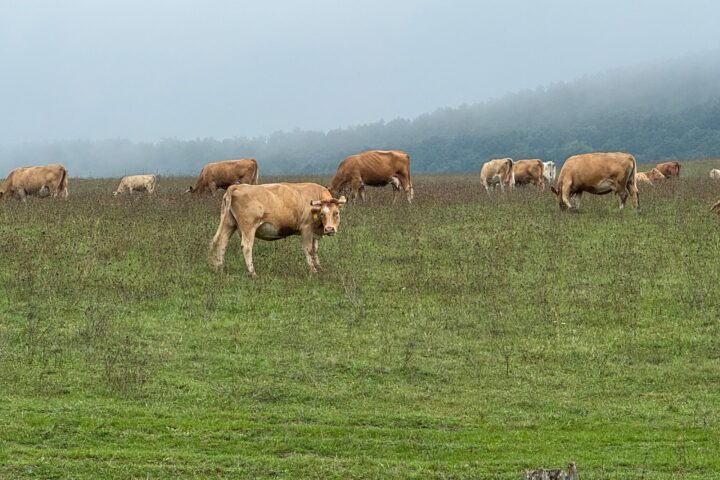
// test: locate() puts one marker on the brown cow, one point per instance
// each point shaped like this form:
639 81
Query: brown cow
597 173
274 211
136 183
649 177
42 181
374 168
669 169
497 171
223 174
529 172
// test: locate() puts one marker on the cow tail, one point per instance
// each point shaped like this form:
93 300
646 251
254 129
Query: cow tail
256 174
62 186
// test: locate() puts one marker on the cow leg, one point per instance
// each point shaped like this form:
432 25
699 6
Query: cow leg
248 239
487 187
213 189
315 247
403 181
541 184
219 243
308 240
355 186
361 190
622 198
21 194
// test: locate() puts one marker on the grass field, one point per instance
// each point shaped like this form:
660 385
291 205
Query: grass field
460 337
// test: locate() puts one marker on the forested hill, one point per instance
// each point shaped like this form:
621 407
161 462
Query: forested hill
661 111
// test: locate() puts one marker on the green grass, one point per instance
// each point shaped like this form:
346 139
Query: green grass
460 337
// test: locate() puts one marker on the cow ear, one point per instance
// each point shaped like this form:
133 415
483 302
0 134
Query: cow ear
316 209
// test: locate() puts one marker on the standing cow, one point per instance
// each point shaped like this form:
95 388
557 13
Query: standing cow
223 174
549 171
274 211
598 173
42 181
529 172
374 168
136 183
499 171
669 169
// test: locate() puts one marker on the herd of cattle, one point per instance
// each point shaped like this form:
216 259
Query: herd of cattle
277 210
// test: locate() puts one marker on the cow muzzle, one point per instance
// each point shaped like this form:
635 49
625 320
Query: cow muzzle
329 231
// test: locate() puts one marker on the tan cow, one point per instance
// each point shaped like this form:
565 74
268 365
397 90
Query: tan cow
669 169
649 177
223 174
274 211
374 168
529 172
597 173
715 174
41 181
499 171
136 183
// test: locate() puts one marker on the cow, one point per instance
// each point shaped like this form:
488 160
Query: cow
529 172
597 173
223 174
669 169
42 181
136 183
274 211
715 174
499 171
374 168
649 177
549 171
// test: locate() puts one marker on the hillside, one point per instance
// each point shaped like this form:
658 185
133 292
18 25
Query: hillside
668 110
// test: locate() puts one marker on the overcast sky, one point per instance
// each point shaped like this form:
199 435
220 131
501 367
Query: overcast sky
149 69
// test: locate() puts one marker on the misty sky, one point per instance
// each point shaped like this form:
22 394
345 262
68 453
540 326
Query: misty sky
148 69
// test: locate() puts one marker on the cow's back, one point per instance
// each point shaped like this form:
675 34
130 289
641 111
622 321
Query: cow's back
590 168
227 172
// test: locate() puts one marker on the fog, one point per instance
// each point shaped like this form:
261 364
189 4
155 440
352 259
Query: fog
190 69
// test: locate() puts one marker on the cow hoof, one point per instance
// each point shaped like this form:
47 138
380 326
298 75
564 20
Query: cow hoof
252 275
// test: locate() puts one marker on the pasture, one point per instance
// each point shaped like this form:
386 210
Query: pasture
460 337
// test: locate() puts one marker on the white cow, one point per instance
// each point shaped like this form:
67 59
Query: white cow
136 183
715 174
499 171
549 171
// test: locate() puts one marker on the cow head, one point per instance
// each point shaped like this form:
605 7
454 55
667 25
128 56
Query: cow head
327 212
558 196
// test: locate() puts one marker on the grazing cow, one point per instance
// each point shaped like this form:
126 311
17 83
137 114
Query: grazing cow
499 171
41 181
649 177
549 171
598 173
223 174
374 168
275 211
669 169
715 174
529 172
136 183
